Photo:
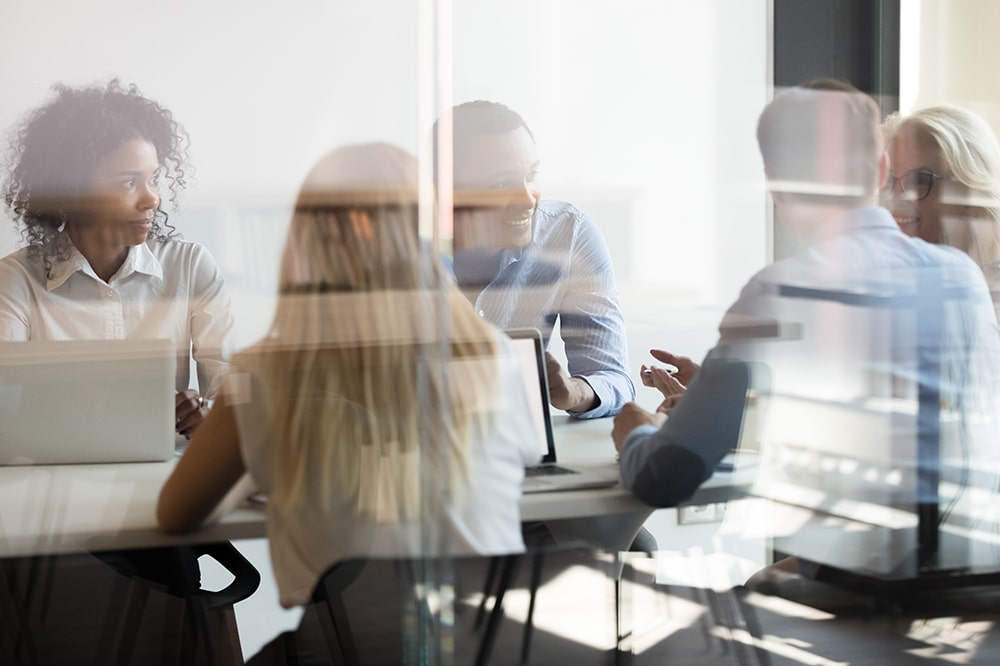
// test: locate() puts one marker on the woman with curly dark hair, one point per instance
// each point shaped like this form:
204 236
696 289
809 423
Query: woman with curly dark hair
84 180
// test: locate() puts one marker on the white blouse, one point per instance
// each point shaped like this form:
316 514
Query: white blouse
486 520
165 289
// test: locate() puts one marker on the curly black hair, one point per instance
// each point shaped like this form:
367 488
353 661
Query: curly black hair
54 149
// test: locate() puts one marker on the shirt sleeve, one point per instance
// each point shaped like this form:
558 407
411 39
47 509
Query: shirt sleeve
212 329
15 296
592 325
665 467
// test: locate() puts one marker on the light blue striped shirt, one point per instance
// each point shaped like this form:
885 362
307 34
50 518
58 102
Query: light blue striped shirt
564 274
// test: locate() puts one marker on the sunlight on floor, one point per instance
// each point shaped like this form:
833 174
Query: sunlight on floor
776 646
557 607
680 608
788 608
949 639
658 615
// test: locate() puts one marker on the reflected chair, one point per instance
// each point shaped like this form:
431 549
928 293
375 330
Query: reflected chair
925 423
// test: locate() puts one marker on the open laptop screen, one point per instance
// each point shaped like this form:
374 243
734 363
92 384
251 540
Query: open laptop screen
87 401
531 357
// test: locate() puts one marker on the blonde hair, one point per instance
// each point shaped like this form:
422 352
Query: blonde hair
970 148
376 365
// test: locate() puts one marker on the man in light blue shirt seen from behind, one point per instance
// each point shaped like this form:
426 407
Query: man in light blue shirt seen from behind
882 319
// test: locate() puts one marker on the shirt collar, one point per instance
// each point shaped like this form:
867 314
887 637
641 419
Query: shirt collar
872 217
140 259
851 221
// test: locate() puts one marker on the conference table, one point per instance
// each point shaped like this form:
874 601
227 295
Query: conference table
64 509
50 509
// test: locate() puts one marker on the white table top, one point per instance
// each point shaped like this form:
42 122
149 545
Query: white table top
67 508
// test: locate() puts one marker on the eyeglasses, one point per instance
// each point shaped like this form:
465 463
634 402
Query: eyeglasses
915 185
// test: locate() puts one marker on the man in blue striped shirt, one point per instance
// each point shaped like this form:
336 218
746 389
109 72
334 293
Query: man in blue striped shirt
525 262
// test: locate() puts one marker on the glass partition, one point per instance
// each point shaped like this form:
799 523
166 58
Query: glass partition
599 179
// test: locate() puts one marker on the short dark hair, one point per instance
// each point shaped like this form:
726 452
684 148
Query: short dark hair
830 85
479 117
825 132
485 117
55 148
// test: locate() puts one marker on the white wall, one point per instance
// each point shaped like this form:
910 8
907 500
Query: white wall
650 103
948 53
643 111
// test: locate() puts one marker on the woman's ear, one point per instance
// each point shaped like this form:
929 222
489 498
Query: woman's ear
883 171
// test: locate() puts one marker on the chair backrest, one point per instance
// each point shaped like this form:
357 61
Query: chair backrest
109 607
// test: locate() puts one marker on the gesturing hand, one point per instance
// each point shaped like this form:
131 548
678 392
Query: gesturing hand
686 368
662 381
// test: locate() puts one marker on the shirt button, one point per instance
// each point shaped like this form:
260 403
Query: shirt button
482 314
109 294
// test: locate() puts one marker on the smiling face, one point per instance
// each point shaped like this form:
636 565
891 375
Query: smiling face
916 163
119 203
495 199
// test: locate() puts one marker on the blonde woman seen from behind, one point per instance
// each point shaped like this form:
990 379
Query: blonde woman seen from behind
378 413
944 183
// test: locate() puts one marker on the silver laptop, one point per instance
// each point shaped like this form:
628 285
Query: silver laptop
87 401
547 475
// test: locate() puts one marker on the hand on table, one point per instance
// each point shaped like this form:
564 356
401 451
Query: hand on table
570 393
190 410
631 417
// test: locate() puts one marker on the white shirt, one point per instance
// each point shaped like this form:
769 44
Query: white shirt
486 520
169 289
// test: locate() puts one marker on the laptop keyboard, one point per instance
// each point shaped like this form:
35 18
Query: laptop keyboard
547 470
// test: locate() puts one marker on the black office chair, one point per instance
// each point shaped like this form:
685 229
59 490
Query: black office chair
176 571
122 607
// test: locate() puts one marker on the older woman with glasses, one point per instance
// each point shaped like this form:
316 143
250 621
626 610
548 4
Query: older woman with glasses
944 183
